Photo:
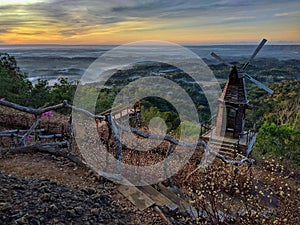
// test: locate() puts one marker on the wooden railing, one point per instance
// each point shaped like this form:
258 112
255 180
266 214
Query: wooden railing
115 128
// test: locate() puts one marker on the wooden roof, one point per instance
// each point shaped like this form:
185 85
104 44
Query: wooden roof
234 91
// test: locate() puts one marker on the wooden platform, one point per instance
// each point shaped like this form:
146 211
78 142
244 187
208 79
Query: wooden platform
230 145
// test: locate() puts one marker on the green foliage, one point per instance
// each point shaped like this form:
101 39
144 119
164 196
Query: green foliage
13 84
16 88
277 114
86 96
40 94
281 108
266 69
64 90
171 119
191 129
105 100
278 118
281 140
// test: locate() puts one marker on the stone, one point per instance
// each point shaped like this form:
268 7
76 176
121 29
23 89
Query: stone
95 211
79 210
71 213
5 206
53 207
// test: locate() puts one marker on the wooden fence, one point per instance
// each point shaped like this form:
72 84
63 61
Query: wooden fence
114 128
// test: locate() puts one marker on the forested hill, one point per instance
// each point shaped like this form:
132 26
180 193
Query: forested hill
277 115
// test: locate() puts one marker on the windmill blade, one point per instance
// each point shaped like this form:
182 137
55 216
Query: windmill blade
262 43
259 84
220 59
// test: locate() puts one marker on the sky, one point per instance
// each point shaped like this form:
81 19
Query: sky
125 21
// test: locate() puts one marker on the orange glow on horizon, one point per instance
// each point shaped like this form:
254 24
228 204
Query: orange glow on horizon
23 25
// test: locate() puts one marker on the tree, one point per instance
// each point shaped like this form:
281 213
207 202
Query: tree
64 90
13 83
281 107
40 94
281 140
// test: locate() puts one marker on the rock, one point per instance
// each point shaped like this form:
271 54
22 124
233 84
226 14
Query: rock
53 207
22 220
5 206
4 190
71 213
47 202
45 197
79 210
105 216
34 221
95 211
89 191
18 187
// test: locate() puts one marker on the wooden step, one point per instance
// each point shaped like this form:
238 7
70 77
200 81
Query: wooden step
227 149
223 145
228 155
223 142
159 199
181 201
145 196
136 196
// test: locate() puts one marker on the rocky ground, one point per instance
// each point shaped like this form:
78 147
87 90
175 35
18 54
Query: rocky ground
39 188
43 189
41 201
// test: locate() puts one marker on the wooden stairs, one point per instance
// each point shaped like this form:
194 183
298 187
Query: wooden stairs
228 149
161 197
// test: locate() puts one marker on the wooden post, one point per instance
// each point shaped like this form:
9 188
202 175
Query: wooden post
166 162
117 133
201 126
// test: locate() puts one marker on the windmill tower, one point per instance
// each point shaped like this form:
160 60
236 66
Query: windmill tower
232 106
233 102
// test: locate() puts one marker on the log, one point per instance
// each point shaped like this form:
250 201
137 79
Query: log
160 137
20 131
38 112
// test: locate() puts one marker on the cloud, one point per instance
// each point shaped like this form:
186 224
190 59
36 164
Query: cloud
82 17
238 18
88 12
3 30
294 13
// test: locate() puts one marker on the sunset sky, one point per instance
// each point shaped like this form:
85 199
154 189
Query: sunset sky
123 21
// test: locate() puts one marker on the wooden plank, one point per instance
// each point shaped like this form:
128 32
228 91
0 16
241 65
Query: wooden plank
183 204
136 197
251 145
158 198
163 216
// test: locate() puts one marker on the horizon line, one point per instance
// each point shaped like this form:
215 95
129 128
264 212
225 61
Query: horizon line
183 44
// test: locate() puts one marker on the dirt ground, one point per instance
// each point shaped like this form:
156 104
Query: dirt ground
59 170
40 166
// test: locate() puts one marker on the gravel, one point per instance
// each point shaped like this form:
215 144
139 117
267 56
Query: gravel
41 201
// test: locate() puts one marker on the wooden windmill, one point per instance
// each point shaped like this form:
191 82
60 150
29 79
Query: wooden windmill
233 101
